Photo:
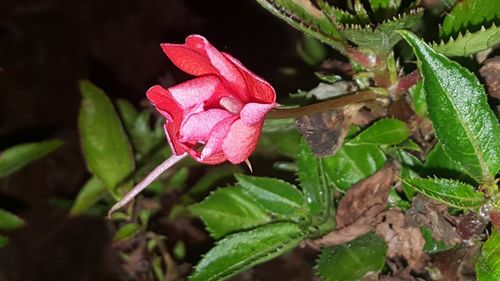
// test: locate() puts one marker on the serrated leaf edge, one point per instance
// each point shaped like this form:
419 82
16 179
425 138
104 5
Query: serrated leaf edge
482 19
428 194
488 178
374 27
466 36
209 229
294 20
238 176
242 265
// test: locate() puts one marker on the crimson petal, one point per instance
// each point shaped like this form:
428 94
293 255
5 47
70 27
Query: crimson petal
198 57
240 141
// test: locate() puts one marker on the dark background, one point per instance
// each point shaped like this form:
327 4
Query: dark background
46 46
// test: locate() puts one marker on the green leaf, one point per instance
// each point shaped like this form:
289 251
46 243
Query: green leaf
178 180
304 16
408 159
16 157
449 192
361 12
89 194
105 145
418 99
468 13
158 268
3 241
383 37
431 245
353 260
312 180
409 165
128 113
179 250
395 200
459 112
278 125
241 251
383 132
311 51
143 137
410 145
353 163
337 15
385 8
127 231
488 265
9 221
211 177
144 216
470 43
439 164
229 209
276 196
285 141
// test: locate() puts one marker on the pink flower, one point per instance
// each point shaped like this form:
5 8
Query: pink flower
218 115
214 117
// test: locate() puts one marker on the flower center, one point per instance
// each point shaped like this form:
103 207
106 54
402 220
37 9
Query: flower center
231 104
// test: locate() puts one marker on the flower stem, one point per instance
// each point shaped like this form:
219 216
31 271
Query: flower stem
362 96
172 160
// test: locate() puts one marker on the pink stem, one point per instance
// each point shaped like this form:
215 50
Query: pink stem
172 160
407 82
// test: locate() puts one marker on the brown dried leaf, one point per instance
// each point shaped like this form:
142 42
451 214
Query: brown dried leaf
402 240
366 116
339 236
495 219
427 213
362 197
491 74
457 264
358 210
401 275
471 225
402 110
325 131
138 265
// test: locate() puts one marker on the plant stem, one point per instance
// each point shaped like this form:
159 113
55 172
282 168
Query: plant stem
281 113
407 82
172 160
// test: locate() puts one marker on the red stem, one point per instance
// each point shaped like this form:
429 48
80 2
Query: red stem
407 82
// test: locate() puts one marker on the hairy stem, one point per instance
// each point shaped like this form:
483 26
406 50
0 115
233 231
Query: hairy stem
172 160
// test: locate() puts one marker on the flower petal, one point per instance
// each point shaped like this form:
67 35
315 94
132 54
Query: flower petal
166 105
198 57
214 159
198 126
197 91
188 59
253 113
259 90
171 132
164 102
240 141
217 135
